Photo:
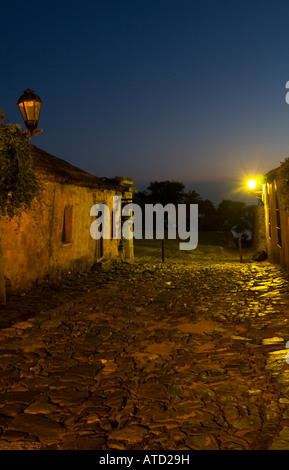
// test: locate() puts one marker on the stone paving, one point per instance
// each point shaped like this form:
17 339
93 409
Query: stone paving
162 356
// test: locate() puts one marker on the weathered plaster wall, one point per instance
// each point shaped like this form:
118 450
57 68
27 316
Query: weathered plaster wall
35 248
259 238
277 248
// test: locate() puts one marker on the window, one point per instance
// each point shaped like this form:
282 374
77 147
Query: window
67 225
269 209
99 248
278 221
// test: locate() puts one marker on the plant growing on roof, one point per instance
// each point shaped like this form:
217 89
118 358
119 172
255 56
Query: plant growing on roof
282 177
18 183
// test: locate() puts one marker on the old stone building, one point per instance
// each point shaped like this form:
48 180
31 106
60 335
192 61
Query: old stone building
276 221
55 236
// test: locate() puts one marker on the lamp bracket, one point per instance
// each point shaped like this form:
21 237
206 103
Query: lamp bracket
32 133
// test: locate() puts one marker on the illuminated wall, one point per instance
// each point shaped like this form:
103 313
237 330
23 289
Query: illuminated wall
55 237
276 223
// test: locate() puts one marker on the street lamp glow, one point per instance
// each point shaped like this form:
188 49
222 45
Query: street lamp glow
30 104
252 184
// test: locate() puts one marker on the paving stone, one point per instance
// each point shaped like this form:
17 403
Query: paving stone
11 409
131 434
19 444
153 392
202 442
279 444
68 397
45 430
231 412
246 422
153 355
32 344
44 408
88 443
23 325
18 397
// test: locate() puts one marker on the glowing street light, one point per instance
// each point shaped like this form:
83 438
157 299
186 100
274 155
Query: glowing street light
30 104
252 184
255 187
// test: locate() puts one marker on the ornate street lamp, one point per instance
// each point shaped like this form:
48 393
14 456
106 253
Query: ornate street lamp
30 104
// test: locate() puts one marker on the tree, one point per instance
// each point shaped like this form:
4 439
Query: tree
206 210
172 192
236 216
166 192
207 215
192 197
18 183
161 192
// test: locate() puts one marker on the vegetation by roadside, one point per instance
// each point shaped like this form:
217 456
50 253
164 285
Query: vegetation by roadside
212 246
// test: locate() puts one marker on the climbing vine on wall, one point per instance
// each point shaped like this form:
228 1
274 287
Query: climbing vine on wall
18 184
283 181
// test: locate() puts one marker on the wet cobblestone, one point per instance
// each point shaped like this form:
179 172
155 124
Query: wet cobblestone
150 356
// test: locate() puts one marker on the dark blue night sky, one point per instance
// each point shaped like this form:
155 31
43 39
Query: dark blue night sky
191 91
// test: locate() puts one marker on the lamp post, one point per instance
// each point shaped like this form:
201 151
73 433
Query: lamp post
255 188
30 105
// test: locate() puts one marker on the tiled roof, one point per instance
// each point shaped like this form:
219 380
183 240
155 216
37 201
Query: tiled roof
51 168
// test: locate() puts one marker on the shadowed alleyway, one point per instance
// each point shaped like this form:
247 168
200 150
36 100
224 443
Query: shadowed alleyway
150 355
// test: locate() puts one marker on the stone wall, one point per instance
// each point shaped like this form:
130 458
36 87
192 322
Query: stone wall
55 237
259 235
277 227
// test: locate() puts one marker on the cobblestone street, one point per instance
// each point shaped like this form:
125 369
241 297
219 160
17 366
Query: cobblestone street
156 356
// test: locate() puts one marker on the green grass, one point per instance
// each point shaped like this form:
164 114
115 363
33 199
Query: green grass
209 243
204 238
